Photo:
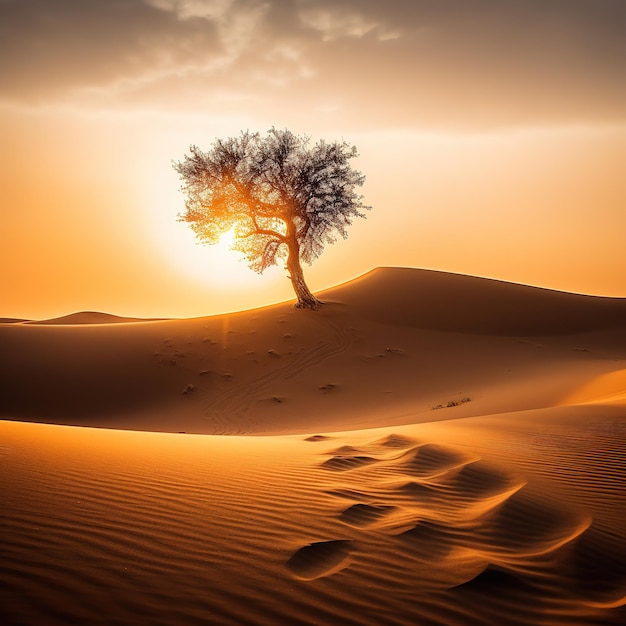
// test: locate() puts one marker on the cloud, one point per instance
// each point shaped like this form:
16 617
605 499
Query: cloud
354 62
336 22
52 47
185 9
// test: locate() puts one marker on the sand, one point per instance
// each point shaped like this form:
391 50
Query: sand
427 448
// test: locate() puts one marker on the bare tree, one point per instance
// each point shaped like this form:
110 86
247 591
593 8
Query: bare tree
284 198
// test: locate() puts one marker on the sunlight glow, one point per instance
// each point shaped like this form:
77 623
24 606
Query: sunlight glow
216 266
227 239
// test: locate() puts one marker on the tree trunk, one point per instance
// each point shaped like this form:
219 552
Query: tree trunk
306 300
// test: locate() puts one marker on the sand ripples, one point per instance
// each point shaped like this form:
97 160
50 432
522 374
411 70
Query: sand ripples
207 530
463 529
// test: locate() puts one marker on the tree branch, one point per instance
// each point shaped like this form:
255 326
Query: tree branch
266 231
252 203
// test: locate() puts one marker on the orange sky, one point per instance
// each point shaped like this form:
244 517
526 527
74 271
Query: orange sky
492 135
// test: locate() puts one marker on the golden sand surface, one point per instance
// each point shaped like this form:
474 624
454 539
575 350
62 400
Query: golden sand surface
426 449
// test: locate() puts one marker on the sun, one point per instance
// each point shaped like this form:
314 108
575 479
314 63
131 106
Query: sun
217 267
226 240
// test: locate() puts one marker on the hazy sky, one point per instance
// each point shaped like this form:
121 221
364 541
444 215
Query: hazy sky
492 134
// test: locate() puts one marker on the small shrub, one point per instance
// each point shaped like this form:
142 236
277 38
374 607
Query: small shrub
452 403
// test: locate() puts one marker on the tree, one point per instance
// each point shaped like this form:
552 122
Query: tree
284 198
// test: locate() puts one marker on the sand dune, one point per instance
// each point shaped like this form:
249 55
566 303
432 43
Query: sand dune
164 528
279 369
88 317
458 303
438 449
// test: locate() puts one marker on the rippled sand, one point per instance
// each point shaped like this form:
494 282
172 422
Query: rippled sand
395 468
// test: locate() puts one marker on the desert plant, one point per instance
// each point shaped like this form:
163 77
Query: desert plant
283 198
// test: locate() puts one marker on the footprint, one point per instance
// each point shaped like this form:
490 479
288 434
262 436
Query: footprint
428 541
345 463
496 580
315 438
479 480
364 514
430 460
344 451
394 441
421 492
525 525
319 559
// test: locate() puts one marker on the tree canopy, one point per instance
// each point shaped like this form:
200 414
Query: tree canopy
284 198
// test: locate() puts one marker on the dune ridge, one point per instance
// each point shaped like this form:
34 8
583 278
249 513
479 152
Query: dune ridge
90 317
276 369
428 449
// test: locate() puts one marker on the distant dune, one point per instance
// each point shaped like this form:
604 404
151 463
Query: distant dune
89 317
437 449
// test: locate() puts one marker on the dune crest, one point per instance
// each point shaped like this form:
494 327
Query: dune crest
458 303
89 317
472 347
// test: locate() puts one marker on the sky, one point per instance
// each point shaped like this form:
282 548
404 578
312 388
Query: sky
492 134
